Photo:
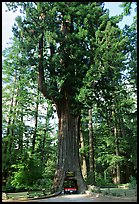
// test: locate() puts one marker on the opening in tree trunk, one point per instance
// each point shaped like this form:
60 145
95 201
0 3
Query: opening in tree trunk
68 148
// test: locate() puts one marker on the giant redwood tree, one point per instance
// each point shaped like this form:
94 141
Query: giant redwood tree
59 39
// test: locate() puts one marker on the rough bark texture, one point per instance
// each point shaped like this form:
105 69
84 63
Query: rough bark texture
36 123
68 147
68 138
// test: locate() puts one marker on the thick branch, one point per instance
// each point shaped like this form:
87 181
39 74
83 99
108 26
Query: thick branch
41 80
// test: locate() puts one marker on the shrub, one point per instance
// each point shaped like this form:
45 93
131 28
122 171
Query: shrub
114 193
100 181
26 175
105 193
8 188
133 183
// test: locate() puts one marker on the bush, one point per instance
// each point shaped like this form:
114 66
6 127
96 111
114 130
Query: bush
114 193
100 181
105 193
94 189
45 183
133 183
25 175
9 188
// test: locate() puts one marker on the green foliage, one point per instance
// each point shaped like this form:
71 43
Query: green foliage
127 7
101 181
26 174
8 188
84 150
105 193
132 183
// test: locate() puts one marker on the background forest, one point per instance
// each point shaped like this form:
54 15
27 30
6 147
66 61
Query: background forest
108 129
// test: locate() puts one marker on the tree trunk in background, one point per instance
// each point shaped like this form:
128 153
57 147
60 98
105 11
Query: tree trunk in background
91 176
8 126
83 157
36 123
117 154
12 114
68 147
21 134
43 155
11 129
114 128
6 145
9 142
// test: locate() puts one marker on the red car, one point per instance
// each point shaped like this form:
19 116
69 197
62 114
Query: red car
70 186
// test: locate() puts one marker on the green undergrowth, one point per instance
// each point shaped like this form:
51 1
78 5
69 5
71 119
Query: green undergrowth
121 190
25 195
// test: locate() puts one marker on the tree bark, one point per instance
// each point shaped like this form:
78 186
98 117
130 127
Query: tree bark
91 150
36 123
83 157
68 137
68 147
11 120
117 154
20 143
114 129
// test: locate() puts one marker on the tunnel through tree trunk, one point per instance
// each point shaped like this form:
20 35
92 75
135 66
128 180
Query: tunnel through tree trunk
68 147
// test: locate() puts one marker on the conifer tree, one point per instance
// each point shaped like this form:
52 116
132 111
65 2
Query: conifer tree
77 49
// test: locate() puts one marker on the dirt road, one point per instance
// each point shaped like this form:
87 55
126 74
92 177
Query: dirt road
81 198
84 198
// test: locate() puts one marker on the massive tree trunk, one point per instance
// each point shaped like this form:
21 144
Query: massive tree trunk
68 147
68 137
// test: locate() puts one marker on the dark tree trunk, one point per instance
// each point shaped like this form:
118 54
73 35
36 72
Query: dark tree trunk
36 123
113 123
8 144
12 114
12 129
21 134
91 150
68 138
68 147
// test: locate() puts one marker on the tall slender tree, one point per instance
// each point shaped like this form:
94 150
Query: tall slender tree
83 156
91 149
